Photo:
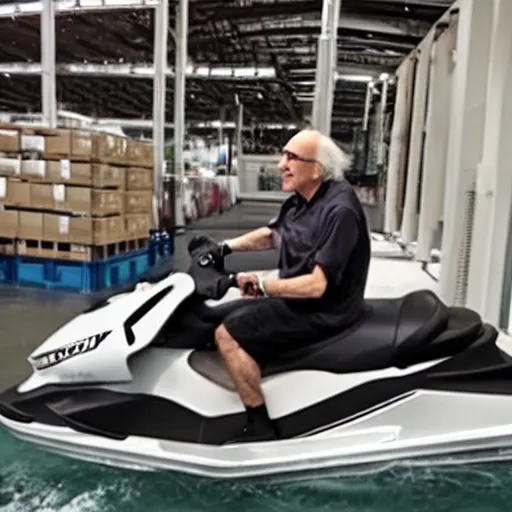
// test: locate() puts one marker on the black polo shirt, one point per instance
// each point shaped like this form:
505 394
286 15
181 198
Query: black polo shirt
330 230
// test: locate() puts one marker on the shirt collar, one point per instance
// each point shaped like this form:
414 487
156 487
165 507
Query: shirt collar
322 189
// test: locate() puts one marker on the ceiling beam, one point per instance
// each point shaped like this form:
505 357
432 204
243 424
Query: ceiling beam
140 70
212 123
148 123
440 4
258 9
236 75
394 30
348 19
15 9
307 71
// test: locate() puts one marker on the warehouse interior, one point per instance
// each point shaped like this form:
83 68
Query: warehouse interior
236 80
129 126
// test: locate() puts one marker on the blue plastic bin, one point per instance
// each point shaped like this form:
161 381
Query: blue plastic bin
7 269
80 276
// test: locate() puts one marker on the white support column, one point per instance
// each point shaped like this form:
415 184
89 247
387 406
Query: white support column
436 141
239 147
239 128
494 177
331 82
179 104
398 147
325 79
222 117
161 20
382 119
48 77
409 228
367 105
469 85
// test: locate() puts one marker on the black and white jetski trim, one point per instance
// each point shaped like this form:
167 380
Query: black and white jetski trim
134 381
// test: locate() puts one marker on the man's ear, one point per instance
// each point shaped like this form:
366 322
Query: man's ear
319 171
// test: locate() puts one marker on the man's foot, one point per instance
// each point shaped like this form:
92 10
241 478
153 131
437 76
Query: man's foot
258 428
250 434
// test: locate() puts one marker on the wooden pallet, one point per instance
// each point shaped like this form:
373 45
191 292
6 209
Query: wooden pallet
118 248
77 252
63 212
9 154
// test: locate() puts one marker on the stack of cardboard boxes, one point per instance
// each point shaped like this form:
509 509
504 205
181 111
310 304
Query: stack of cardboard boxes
67 191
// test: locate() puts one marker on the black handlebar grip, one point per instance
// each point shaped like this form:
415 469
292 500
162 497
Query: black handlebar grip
249 287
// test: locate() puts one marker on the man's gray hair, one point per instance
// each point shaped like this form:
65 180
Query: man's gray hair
334 160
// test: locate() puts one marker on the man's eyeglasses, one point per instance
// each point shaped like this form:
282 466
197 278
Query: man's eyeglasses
289 155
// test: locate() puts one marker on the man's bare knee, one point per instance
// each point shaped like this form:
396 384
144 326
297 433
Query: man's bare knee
224 341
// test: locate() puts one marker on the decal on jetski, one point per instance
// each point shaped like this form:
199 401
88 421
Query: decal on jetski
68 351
143 310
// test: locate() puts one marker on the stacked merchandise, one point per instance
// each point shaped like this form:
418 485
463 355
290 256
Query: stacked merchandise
73 194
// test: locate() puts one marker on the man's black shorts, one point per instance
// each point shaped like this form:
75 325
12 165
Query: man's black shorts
267 327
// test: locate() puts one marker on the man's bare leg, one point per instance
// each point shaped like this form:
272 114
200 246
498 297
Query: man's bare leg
246 375
243 368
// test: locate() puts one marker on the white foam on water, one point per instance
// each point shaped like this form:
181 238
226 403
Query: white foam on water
27 488
31 499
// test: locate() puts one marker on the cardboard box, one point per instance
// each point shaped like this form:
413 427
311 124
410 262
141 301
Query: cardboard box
138 178
95 202
33 169
92 175
76 144
107 148
58 144
9 223
139 153
62 142
137 225
83 230
95 175
33 143
10 166
73 173
10 141
138 201
30 225
41 196
14 192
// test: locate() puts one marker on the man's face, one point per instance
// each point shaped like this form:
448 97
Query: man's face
298 167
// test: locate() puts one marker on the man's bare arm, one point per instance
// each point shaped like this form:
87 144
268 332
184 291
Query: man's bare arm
260 239
309 286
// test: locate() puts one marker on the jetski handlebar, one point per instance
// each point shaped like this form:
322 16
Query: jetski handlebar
207 269
206 254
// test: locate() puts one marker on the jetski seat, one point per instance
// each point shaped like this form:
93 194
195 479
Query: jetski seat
393 332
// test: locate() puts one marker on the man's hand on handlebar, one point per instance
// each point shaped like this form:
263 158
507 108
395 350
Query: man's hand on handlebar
249 285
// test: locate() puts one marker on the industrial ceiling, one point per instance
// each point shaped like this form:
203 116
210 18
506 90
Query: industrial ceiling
276 36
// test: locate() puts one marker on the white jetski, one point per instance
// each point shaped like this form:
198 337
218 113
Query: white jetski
135 381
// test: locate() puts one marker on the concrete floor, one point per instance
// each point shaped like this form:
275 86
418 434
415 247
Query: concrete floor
27 316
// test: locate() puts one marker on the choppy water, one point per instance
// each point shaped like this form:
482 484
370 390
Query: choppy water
32 480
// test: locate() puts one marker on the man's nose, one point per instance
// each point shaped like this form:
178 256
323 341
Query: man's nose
282 163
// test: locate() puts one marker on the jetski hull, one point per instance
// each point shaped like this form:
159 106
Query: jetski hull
412 419
342 450
136 382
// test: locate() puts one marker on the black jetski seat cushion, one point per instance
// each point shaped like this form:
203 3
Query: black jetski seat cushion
394 332
389 329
